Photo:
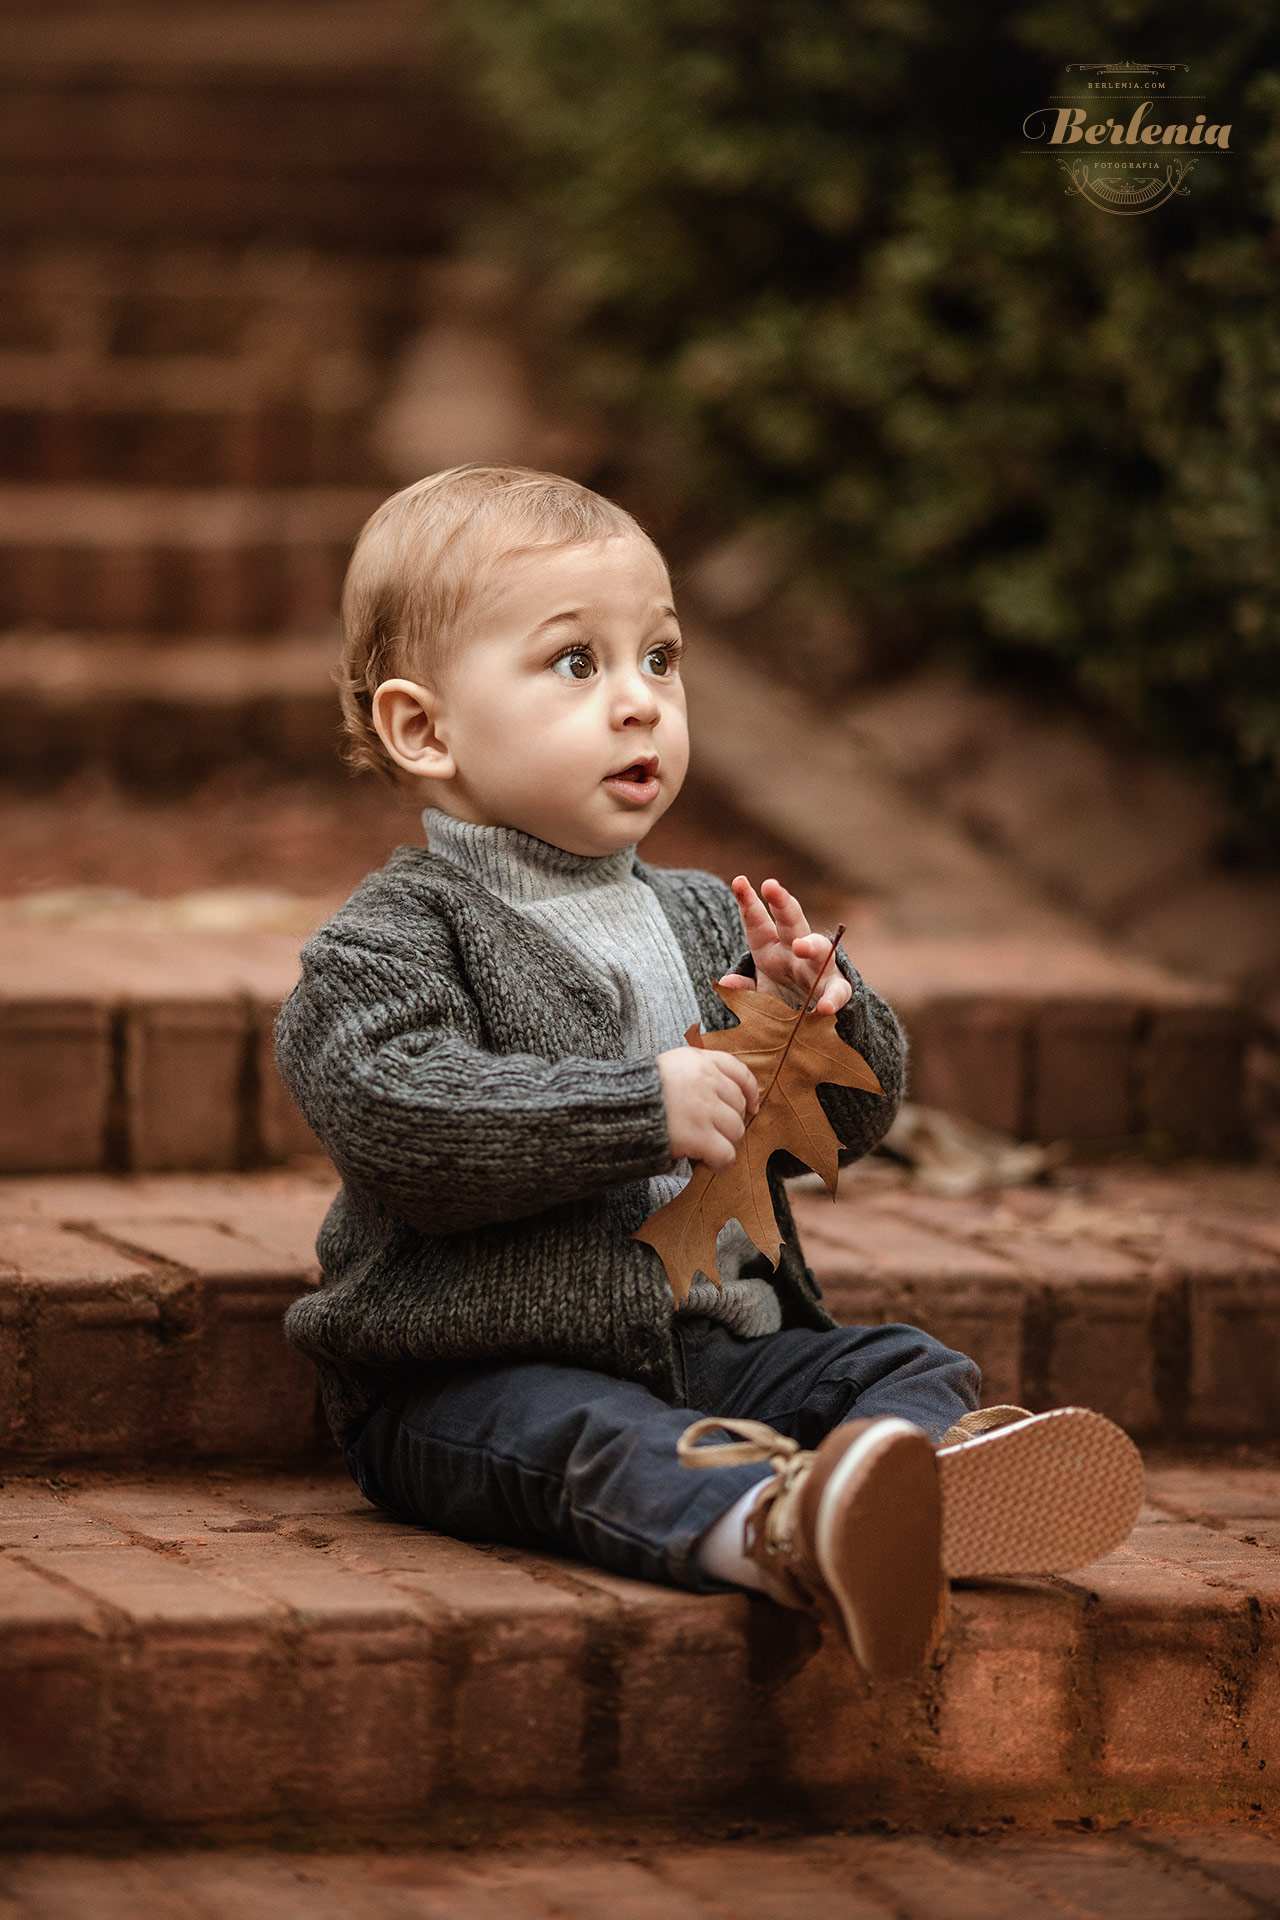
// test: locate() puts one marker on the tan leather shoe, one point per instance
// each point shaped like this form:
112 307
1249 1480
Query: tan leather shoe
1036 1492
851 1530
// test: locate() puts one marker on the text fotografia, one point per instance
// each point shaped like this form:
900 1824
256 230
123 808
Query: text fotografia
1137 157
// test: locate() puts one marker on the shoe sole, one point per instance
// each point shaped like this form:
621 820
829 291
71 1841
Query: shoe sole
877 1540
1045 1495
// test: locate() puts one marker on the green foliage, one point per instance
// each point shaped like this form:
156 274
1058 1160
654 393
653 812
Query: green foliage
801 233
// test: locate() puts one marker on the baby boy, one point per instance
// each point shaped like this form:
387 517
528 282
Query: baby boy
488 1040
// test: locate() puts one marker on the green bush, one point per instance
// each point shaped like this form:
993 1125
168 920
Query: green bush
801 234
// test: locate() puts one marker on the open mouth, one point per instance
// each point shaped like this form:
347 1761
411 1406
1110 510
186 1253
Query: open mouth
637 783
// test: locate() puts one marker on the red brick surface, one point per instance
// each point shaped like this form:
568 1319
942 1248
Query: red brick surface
1189 1061
140 1315
1060 1040
283 1134
1177 1874
155 1330
1152 1298
184 1064
341 1666
1081 1072
55 1083
970 1057
182 1087
1043 1042
139 560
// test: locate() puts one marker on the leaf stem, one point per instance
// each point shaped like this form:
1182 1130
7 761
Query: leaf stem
807 1006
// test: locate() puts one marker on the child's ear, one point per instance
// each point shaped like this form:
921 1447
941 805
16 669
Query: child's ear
405 716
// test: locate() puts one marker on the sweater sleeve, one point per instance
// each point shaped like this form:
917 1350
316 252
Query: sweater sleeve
385 1060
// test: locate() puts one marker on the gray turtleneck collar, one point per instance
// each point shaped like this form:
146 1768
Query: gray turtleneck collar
517 867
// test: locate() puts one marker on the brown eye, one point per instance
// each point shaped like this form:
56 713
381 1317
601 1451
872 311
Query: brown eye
658 661
577 665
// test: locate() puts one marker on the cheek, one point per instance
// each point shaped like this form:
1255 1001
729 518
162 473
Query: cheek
675 733
542 738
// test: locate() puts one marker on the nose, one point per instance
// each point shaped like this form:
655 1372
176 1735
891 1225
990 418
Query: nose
635 703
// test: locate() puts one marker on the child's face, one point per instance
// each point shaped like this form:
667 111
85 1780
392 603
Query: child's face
564 713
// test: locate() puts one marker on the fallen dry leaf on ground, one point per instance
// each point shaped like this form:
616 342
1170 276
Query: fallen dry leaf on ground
790 1054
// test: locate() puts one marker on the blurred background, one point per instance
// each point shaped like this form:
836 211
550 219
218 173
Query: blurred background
969 491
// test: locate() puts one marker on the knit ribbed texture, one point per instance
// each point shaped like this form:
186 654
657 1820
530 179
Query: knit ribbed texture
467 1076
601 911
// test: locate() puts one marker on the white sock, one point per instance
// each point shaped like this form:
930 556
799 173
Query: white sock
722 1548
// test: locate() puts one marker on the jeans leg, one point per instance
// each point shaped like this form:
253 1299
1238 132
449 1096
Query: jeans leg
536 1454
807 1381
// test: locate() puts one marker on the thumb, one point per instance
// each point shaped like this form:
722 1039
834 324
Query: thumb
736 980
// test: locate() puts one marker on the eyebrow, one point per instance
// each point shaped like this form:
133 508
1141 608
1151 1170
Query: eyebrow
580 618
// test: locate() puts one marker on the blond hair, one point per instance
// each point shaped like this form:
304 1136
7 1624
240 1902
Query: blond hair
420 563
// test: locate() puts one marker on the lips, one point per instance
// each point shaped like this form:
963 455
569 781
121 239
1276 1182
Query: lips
637 783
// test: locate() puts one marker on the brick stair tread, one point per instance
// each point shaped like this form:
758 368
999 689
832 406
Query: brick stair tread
344 1666
1182 1872
139 1315
195 365
112 963
213 519
62 671
174 560
51 381
911 974
280 40
1105 1048
165 718
248 124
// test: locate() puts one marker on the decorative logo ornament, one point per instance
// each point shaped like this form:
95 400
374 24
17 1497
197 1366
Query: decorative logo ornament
1139 160
1135 193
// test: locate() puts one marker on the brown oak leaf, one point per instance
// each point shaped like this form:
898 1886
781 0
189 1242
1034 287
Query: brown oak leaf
790 1054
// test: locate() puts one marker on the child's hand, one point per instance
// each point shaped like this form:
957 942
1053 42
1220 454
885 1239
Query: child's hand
786 954
709 1099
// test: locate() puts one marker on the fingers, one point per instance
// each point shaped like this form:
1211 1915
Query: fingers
709 1099
789 958
787 912
725 1119
744 1081
757 922
835 995
817 960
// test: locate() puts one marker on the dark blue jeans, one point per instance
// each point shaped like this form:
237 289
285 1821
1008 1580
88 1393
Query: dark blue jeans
533 1454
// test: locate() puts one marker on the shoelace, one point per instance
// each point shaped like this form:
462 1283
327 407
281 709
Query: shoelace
758 1442
986 1420
769 1517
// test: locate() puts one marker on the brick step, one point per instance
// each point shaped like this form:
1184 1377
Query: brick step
301 119
1209 1872
130 1048
1151 1296
139 1316
161 560
200 432
199 365
123 1048
159 718
264 1652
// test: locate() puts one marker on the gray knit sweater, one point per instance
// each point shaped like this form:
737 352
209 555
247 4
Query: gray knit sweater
468 1078
599 908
